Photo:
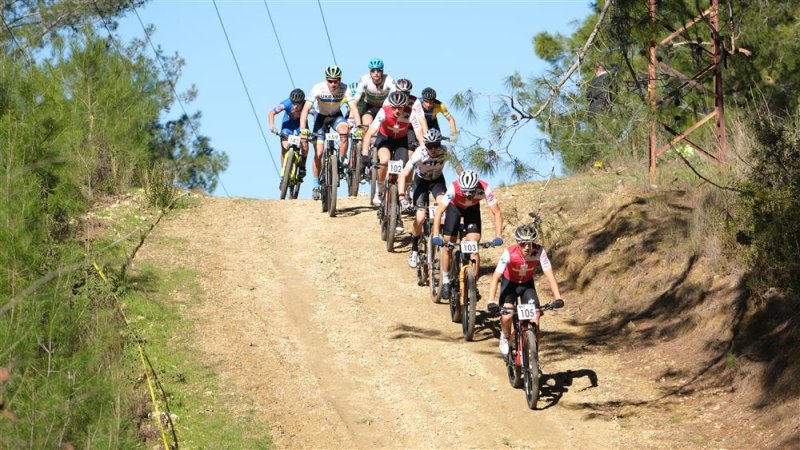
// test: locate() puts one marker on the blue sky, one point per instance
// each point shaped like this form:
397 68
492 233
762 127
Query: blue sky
448 45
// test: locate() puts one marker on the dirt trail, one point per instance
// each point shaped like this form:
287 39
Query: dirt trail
332 343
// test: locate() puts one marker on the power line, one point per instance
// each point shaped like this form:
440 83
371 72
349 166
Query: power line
241 77
279 45
326 31
171 85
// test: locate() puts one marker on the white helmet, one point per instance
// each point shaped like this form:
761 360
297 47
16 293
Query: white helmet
468 181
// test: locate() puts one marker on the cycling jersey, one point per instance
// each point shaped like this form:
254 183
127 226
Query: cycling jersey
395 127
455 196
328 103
416 106
426 166
430 114
519 269
373 95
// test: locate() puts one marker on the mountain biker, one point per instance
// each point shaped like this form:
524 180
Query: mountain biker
514 273
291 107
328 97
370 93
463 199
431 108
427 164
390 128
404 85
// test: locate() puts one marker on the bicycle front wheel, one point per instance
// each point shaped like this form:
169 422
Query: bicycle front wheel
323 185
373 174
470 296
288 168
355 169
455 293
530 368
333 178
392 213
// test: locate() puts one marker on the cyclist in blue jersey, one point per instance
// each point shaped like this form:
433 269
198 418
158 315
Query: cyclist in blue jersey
291 107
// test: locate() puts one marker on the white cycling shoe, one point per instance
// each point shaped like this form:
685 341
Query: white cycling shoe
503 345
377 199
413 259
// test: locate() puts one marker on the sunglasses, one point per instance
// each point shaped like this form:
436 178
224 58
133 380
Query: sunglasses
376 70
431 146
525 244
333 81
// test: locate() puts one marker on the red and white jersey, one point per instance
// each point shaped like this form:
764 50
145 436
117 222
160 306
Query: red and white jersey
519 269
455 195
393 126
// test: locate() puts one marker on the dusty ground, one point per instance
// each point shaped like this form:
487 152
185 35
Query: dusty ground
326 336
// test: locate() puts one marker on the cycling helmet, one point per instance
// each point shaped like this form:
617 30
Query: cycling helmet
404 85
353 86
398 98
297 96
428 94
526 233
432 136
376 63
333 72
468 181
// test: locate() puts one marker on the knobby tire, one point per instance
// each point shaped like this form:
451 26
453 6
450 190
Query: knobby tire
288 168
392 212
356 169
455 289
530 362
333 169
373 174
470 303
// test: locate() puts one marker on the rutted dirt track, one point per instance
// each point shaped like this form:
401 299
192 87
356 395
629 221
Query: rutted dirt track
331 341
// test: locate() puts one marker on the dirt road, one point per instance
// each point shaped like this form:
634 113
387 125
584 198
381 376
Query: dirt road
335 346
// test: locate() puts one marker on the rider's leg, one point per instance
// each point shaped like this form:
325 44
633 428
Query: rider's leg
317 166
383 159
344 140
530 296
475 256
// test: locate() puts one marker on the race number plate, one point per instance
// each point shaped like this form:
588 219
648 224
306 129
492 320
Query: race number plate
526 311
395 167
332 136
294 140
468 247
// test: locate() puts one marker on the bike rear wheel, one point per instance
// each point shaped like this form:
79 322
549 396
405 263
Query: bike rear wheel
333 169
432 254
323 185
470 303
422 266
530 369
355 169
391 216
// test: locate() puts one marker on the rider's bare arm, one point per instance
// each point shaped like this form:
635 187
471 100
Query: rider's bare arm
498 219
304 115
551 280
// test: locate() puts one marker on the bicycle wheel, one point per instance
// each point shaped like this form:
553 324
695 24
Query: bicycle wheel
455 307
391 219
530 368
422 266
333 178
288 168
470 296
355 169
431 254
323 185
513 370
373 176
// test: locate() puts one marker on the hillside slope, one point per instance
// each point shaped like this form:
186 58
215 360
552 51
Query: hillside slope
310 323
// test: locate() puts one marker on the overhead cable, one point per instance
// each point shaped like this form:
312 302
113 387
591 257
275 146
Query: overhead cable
241 77
279 44
326 31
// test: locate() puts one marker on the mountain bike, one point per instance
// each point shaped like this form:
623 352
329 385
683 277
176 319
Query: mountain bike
373 171
291 168
523 366
329 174
389 211
464 294
355 169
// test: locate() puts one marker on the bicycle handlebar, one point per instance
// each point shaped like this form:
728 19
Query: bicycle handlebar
556 304
487 244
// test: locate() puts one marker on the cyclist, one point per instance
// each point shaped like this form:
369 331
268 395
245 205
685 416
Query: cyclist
431 108
291 107
371 92
427 164
404 85
328 97
390 128
514 273
463 199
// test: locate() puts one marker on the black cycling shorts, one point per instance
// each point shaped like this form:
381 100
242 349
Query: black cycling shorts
453 215
510 292
422 188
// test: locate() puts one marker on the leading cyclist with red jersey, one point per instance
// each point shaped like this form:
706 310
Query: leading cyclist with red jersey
514 273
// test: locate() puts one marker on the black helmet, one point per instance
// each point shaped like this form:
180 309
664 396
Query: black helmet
398 98
526 233
404 85
428 94
297 96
